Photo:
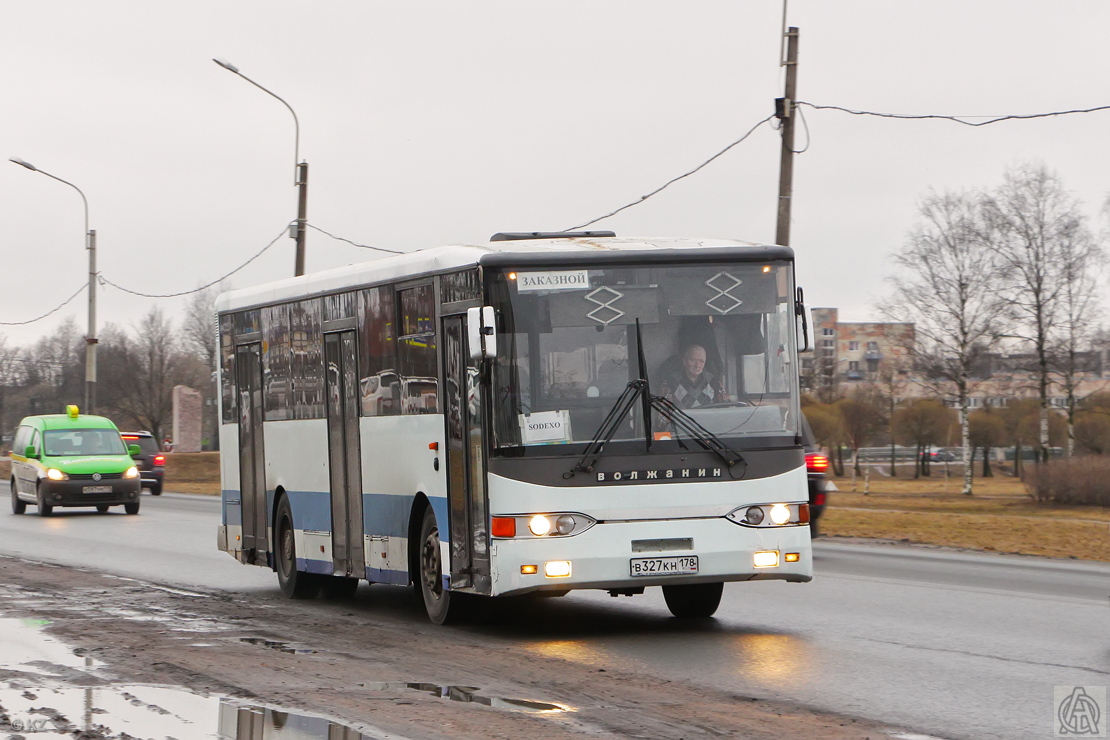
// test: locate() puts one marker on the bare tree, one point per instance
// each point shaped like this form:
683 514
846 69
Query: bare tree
151 368
921 423
1040 238
1076 325
948 286
200 340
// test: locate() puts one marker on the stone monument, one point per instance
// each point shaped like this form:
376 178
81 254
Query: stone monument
187 419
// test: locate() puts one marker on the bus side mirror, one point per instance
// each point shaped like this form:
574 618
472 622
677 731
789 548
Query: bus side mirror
481 332
31 453
134 450
800 314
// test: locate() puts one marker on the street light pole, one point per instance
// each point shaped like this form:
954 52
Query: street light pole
300 169
90 245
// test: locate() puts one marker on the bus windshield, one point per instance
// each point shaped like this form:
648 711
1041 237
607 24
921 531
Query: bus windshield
718 341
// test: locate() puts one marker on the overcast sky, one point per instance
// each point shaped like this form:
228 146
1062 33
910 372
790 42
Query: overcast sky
430 123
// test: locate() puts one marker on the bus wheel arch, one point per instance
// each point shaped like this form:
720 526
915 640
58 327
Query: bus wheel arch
416 521
295 584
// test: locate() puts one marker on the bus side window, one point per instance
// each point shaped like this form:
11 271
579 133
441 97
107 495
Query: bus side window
379 383
417 350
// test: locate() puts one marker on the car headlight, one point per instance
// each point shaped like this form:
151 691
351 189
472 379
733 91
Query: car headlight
55 474
131 472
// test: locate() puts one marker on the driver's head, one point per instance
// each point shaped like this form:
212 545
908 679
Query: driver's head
693 361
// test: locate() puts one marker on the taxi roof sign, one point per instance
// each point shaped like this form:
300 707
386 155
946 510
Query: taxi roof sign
72 411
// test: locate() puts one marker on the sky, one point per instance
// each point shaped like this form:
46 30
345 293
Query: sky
438 122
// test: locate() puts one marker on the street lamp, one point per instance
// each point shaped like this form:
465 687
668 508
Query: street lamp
90 245
300 171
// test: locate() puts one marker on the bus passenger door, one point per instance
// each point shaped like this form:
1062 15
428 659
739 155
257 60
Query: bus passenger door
252 453
466 489
340 353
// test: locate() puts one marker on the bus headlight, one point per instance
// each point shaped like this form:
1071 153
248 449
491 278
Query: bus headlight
532 526
55 474
131 472
539 525
770 515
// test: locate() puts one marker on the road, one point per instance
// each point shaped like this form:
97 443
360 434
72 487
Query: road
950 644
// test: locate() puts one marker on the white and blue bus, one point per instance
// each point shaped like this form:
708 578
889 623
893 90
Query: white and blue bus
540 413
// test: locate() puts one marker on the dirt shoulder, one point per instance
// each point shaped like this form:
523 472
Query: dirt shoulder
149 634
999 517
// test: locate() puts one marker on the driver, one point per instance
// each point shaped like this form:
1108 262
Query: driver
691 385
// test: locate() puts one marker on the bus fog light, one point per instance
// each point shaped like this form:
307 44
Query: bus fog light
539 525
780 513
791 557
564 524
529 570
557 569
767 559
754 515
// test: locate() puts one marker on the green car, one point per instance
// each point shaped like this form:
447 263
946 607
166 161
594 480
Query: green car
72 459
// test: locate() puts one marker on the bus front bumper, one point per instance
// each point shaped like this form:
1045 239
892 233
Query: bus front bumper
603 556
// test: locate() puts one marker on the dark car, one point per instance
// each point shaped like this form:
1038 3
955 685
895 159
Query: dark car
817 465
151 461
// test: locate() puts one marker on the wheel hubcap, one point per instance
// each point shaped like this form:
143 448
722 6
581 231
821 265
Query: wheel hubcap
286 549
429 558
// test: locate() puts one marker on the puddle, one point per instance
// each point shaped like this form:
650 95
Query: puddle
471 695
154 712
283 647
25 649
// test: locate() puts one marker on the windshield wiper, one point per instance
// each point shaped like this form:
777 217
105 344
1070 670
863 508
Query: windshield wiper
609 425
679 419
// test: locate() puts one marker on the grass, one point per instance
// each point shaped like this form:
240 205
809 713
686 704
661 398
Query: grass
196 472
1000 516
193 472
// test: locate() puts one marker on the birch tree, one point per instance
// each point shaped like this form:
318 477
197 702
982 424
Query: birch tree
1040 239
947 284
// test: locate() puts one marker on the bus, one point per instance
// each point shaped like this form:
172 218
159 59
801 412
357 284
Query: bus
535 414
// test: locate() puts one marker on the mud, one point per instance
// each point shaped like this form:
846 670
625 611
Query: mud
116 658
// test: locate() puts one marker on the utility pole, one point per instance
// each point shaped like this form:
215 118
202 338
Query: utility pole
302 215
91 340
785 109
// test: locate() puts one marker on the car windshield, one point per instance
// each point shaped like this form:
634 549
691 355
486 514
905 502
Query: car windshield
70 442
718 341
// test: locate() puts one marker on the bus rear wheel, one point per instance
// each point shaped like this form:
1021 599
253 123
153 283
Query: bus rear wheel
693 601
295 584
442 605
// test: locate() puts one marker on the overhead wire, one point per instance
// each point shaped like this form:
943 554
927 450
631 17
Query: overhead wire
673 180
54 310
353 243
259 253
957 119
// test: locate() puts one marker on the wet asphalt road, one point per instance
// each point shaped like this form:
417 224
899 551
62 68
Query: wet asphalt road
956 645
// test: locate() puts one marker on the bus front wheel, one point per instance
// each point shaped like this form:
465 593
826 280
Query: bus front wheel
442 605
294 584
693 601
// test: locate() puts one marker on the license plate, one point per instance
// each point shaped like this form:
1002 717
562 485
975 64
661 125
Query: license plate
664 566
97 489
